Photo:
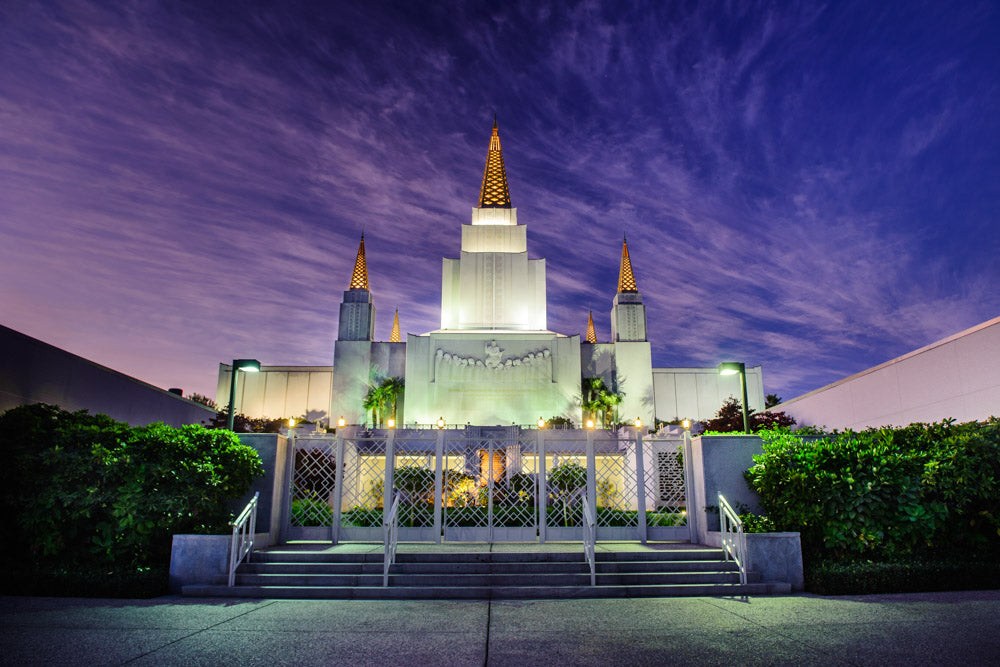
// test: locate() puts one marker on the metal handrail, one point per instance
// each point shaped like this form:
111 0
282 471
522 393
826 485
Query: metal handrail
241 545
589 539
734 540
390 527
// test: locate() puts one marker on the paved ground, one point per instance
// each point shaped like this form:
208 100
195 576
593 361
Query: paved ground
921 629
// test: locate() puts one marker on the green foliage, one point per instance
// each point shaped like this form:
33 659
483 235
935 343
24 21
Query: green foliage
910 576
600 402
559 422
567 479
729 419
755 523
87 491
885 493
244 424
204 400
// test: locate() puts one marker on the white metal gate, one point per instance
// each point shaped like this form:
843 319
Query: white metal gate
489 484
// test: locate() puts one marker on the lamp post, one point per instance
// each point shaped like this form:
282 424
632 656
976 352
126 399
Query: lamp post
247 366
732 368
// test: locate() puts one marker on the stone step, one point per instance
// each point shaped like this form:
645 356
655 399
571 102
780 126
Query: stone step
376 556
496 581
484 592
277 567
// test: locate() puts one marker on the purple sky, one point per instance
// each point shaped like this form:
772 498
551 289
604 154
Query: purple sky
812 188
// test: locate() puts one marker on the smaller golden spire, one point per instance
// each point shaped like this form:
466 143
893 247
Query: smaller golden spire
591 334
359 279
394 336
494 192
626 279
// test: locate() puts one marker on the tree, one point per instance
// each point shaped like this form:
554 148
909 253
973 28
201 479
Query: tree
382 399
599 402
204 400
771 400
729 419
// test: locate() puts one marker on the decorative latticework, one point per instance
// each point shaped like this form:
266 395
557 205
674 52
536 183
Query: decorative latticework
665 486
494 192
359 279
362 499
394 336
617 490
591 334
314 483
565 486
490 483
626 279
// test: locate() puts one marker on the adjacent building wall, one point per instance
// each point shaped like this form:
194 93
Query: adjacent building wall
32 371
698 393
958 378
279 391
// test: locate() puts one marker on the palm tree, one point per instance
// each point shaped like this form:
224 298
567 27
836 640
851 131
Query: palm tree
393 388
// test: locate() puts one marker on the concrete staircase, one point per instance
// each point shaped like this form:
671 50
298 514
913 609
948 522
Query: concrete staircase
477 571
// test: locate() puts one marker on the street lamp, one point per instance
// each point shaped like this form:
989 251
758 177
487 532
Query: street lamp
247 366
732 368
590 424
541 423
440 422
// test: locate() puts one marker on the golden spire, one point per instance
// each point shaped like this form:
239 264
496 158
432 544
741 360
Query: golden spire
394 336
494 192
626 280
591 334
359 279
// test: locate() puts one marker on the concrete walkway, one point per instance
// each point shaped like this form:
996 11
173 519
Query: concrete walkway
919 629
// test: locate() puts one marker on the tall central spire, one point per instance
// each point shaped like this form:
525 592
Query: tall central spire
494 192
359 279
626 279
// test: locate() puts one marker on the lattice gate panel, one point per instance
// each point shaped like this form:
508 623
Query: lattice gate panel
362 497
617 491
314 483
565 488
666 497
413 479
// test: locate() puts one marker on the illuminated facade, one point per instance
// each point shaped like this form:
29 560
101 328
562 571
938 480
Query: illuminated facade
493 361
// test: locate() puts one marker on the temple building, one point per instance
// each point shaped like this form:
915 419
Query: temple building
493 361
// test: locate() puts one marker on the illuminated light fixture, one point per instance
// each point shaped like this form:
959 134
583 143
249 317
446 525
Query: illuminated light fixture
734 368
340 422
638 423
291 423
440 422
541 423
686 424
390 422
247 366
590 424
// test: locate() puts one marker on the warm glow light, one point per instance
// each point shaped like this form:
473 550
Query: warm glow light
390 422
590 423
440 422
686 423
638 423
541 423
341 422
291 423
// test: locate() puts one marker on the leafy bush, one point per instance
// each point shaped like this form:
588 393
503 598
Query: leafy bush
86 491
865 577
885 493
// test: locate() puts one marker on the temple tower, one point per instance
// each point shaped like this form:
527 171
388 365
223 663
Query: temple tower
493 285
628 315
357 310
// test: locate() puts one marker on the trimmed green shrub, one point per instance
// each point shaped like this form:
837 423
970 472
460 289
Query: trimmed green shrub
885 493
89 493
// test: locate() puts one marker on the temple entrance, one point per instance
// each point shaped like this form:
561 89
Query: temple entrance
486 484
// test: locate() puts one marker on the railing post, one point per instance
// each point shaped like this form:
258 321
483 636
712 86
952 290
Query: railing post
640 472
390 467
591 498
541 488
338 488
438 484
288 491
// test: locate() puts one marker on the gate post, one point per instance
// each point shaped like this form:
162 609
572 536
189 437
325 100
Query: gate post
338 484
390 467
438 484
286 506
692 517
640 472
541 488
591 475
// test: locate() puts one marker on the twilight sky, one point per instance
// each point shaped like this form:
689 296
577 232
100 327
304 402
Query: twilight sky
810 187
